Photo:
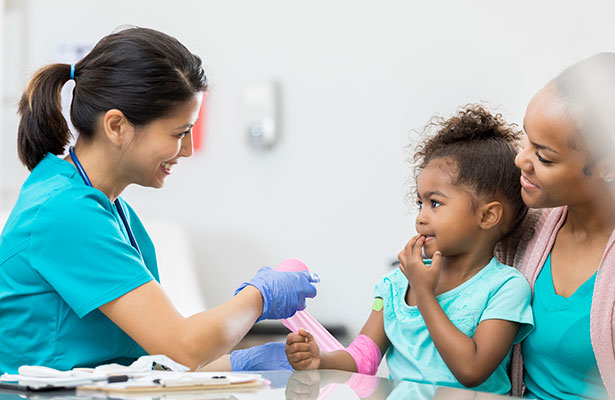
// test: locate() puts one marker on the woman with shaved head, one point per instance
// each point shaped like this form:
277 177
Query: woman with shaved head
568 175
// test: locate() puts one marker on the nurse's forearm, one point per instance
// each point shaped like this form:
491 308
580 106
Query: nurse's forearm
213 333
221 364
148 316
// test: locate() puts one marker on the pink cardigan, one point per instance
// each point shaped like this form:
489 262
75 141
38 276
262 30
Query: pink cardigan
529 255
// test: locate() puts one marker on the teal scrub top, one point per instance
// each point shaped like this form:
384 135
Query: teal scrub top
558 357
64 252
496 292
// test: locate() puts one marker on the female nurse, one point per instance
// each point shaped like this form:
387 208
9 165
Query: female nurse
78 275
568 171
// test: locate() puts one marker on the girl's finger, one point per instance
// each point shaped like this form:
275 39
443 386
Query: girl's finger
294 338
299 347
436 261
301 356
407 248
412 242
306 335
417 249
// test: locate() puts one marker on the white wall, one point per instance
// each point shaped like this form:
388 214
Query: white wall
356 77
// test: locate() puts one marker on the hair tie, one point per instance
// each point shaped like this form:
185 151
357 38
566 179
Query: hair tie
72 71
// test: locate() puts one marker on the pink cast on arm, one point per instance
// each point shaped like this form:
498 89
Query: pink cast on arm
366 354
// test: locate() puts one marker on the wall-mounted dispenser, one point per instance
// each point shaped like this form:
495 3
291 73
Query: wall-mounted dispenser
260 109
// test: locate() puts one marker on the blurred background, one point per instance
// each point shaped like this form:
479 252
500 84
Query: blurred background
309 111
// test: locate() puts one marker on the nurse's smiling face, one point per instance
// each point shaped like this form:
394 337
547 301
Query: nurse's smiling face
157 147
553 158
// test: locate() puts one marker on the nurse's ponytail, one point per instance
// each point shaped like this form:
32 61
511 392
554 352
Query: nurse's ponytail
42 128
146 74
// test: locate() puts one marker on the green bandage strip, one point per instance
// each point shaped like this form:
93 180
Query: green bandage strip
378 304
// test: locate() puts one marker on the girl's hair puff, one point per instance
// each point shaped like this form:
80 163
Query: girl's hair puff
482 148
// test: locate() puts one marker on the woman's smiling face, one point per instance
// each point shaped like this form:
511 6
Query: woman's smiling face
158 146
554 159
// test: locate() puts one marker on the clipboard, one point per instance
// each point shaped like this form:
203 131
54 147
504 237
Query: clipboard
17 387
167 381
60 381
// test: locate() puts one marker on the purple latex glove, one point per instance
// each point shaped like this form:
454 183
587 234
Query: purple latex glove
284 293
266 357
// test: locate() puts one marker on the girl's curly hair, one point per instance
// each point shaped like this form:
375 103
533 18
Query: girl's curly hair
481 148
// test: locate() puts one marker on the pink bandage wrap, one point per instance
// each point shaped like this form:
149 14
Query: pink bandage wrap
363 349
366 354
302 319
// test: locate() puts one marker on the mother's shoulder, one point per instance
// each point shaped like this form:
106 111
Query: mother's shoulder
514 245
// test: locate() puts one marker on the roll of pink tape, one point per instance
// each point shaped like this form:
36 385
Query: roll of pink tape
302 319
292 265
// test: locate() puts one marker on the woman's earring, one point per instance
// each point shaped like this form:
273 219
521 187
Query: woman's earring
608 179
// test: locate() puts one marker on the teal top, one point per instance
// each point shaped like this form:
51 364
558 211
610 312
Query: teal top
64 252
558 358
495 292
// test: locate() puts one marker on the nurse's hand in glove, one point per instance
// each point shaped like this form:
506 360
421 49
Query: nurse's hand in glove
266 357
284 293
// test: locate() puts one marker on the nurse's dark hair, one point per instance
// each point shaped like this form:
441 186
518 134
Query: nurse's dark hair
144 73
588 91
480 149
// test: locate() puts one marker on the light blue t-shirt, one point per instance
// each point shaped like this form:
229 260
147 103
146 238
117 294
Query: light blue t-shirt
64 252
558 357
495 292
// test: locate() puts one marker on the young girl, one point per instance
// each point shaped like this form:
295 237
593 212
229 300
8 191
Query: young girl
451 321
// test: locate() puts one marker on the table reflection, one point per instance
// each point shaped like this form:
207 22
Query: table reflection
297 385
321 385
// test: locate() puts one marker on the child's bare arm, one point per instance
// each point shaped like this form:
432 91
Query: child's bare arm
303 352
471 359
374 328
